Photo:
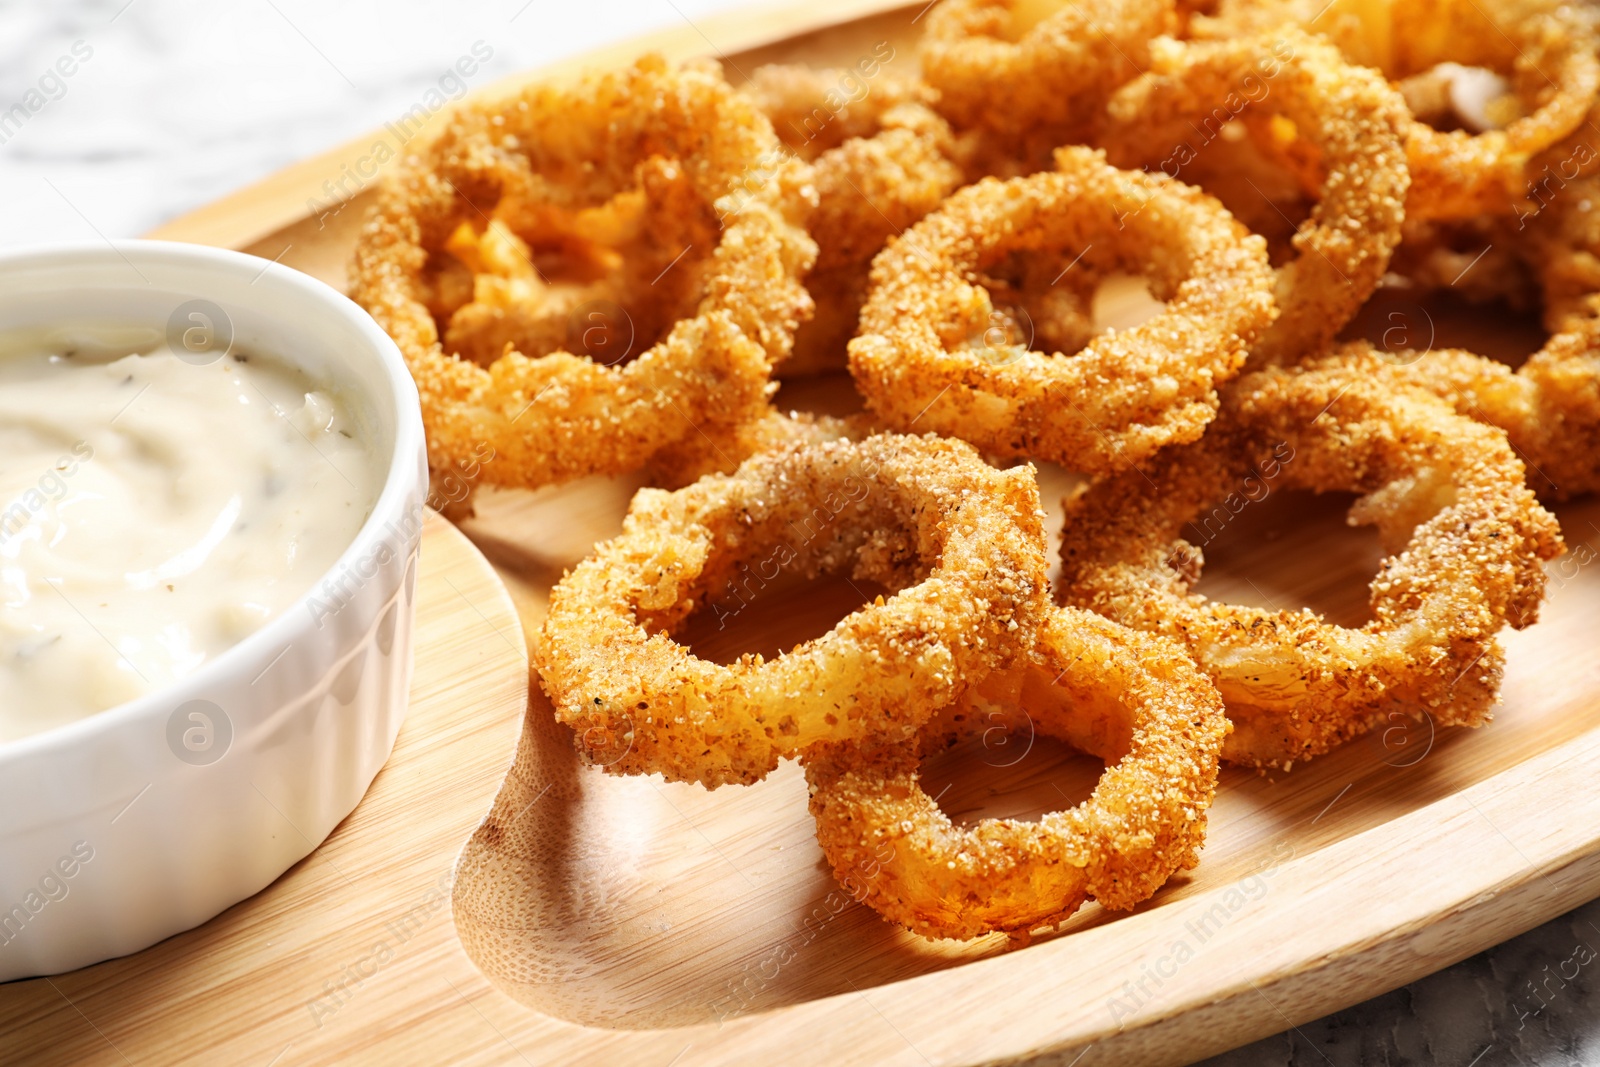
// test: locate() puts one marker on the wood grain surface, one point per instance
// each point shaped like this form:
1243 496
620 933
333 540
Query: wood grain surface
613 920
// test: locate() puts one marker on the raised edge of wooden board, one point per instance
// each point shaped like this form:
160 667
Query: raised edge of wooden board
1373 910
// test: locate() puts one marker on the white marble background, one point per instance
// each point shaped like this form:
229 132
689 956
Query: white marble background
180 101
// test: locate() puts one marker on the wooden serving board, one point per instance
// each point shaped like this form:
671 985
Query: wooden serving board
613 920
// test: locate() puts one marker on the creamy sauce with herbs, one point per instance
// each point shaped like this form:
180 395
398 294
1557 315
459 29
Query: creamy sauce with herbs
154 512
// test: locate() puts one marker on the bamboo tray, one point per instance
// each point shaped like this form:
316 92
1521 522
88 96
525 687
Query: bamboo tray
625 921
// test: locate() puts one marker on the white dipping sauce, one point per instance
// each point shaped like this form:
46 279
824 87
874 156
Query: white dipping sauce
154 512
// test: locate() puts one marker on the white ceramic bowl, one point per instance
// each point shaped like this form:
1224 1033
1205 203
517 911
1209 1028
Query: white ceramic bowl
128 826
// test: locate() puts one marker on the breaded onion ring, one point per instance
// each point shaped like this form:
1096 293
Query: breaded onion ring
1033 74
1298 95
656 188
1560 230
816 109
724 448
960 540
1546 48
1480 260
935 352
1133 699
1447 497
1549 407
882 159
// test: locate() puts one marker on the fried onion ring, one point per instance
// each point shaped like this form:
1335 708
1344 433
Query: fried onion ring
959 540
1546 48
1458 173
881 162
1549 407
1561 221
1299 98
1135 700
936 352
724 448
1034 74
657 189
1447 497
1481 260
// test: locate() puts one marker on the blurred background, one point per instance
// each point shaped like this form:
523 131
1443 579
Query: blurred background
170 104
174 103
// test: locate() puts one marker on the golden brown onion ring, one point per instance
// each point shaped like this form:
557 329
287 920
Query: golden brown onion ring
1545 48
1446 495
1480 260
611 173
935 352
1133 699
775 430
1549 407
1034 74
959 540
1301 98
882 159
1558 232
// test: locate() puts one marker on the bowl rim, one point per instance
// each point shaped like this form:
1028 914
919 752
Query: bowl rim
403 466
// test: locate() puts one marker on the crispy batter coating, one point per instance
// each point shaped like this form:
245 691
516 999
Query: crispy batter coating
604 276
1545 48
1481 260
882 159
654 194
1256 188
1034 74
959 540
1446 495
941 348
775 430
817 109
1133 699
1550 55
1560 228
1549 407
1338 122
